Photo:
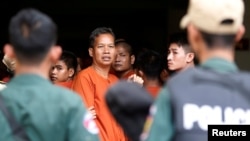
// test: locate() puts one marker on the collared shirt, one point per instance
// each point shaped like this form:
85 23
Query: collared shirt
220 65
91 86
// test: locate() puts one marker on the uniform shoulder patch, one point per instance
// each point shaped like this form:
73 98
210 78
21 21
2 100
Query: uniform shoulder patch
89 123
148 123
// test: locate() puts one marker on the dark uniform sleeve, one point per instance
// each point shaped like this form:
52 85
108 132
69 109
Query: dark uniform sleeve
81 125
162 125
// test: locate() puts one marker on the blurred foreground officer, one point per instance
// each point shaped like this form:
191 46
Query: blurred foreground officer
216 91
129 103
44 112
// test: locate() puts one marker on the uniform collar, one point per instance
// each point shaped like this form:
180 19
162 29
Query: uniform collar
220 65
29 79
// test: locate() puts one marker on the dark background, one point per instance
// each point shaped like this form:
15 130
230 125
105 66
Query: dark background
141 22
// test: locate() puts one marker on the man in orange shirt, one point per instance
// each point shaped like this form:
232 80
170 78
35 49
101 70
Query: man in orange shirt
124 60
64 70
149 66
92 83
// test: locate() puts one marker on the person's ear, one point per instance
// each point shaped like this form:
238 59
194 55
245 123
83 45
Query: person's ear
9 51
240 33
91 51
132 59
194 37
189 57
196 40
71 72
55 53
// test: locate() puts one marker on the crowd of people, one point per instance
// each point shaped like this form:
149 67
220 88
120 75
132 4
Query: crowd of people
47 95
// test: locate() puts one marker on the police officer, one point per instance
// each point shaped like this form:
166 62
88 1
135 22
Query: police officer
46 112
215 91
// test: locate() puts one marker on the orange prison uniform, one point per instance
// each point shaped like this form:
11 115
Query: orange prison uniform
6 79
130 73
67 84
153 90
92 87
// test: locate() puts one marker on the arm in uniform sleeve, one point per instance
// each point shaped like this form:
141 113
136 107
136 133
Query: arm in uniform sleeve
162 125
84 88
81 126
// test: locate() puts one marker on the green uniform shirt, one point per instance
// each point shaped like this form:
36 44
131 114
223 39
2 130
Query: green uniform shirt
162 128
47 112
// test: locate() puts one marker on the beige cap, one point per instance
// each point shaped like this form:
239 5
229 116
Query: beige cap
208 15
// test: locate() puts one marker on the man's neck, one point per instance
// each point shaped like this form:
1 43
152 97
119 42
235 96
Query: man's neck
40 70
151 82
103 71
227 54
191 64
121 74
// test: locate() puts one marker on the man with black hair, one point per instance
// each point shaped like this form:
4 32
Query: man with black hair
92 82
44 111
215 92
180 54
150 65
124 60
64 70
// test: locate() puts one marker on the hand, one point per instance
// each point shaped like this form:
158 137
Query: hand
92 111
136 78
9 62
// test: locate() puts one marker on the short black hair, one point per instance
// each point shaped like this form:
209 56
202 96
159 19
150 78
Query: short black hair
70 59
125 44
180 38
151 63
32 33
98 31
218 40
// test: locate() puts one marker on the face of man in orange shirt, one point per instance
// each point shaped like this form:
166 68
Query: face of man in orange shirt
123 60
103 50
60 72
